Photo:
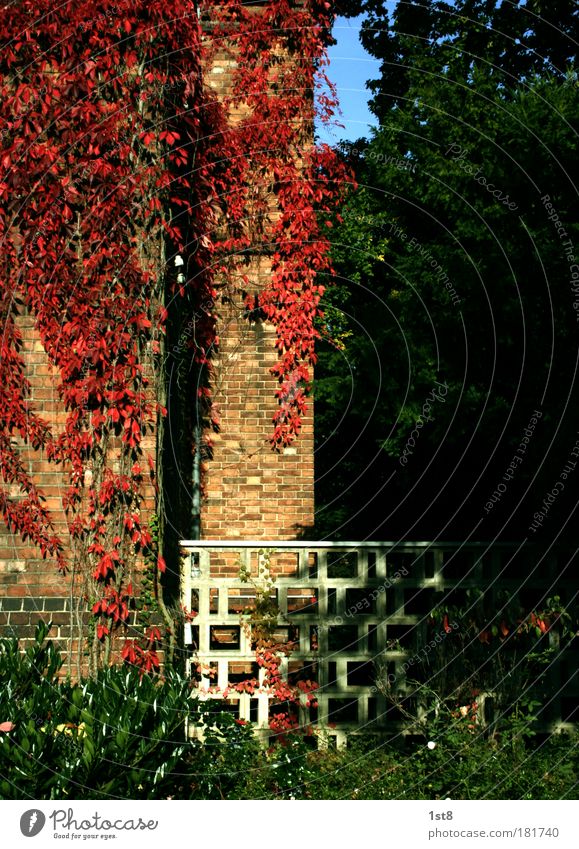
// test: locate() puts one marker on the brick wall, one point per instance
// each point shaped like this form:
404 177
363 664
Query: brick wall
30 587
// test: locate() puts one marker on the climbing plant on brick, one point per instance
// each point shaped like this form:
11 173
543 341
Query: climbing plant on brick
114 159
92 174
285 182
262 622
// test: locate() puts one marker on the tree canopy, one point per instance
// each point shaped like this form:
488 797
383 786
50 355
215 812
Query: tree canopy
451 406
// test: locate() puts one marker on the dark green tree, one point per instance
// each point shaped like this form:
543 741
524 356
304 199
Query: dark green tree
456 306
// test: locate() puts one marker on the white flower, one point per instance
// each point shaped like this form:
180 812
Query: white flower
431 744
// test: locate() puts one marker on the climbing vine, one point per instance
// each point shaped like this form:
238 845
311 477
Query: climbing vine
116 160
262 624
285 183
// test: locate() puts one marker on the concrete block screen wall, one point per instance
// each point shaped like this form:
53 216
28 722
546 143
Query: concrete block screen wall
354 618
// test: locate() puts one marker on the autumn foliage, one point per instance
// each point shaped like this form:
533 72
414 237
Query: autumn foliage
115 157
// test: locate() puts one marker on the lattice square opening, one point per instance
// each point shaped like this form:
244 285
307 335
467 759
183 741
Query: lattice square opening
192 647
416 601
401 565
313 564
302 600
457 564
289 635
343 564
359 601
284 564
282 635
402 635
394 605
394 714
283 712
207 670
230 706
224 564
224 637
301 670
194 601
239 671
343 638
240 599
342 710
360 673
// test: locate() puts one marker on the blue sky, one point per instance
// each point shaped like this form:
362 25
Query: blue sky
350 67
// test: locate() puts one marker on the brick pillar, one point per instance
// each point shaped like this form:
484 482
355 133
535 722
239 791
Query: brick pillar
252 492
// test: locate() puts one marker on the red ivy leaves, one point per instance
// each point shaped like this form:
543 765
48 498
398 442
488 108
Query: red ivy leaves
102 631
145 659
301 180
95 160
77 202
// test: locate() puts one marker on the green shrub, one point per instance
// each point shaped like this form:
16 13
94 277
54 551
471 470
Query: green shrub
123 735
118 735
225 761
464 764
